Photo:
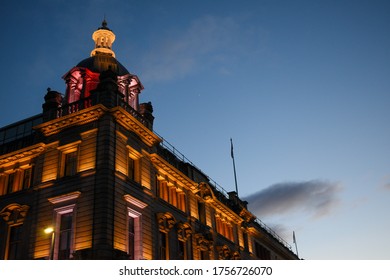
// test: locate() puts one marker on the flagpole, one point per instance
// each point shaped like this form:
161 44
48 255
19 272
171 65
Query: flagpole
295 242
234 165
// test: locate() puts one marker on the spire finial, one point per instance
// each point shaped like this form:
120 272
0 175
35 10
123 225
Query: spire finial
104 22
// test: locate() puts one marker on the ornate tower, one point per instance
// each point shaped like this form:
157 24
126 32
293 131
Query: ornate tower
82 79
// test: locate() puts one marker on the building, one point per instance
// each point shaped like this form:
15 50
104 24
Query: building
89 179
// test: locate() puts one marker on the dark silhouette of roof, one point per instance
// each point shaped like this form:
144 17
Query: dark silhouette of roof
102 62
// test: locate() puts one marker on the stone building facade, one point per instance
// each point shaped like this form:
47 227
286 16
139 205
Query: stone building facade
91 172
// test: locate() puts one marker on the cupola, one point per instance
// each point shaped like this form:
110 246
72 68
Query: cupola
82 79
103 37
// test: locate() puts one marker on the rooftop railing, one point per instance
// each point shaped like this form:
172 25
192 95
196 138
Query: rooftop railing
165 144
273 233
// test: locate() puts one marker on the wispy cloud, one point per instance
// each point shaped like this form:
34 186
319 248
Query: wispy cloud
315 198
204 40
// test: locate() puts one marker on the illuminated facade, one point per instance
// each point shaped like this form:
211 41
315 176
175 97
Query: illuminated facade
91 168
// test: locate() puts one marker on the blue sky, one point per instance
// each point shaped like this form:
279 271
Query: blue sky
302 87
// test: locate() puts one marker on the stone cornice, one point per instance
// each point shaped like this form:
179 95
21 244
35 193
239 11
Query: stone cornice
22 154
78 118
166 169
131 123
226 211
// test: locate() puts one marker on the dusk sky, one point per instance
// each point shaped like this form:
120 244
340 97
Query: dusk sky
302 88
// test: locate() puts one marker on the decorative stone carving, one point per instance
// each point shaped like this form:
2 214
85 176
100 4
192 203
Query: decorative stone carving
184 231
204 241
236 255
246 215
14 213
166 221
204 191
224 252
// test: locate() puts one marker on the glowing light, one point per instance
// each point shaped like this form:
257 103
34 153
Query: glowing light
48 230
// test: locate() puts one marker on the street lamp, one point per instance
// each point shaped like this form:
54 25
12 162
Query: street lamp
50 230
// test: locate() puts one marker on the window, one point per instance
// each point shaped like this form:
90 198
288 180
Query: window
224 227
245 237
27 178
184 232
14 242
182 201
163 191
261 252
63 245
70 164
133 165
171 194
202 212
218 226
65 236
166 222
19 179
10 183
204 255
131 239
182 249
229 232
131 168
163 242
2 183
134 235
